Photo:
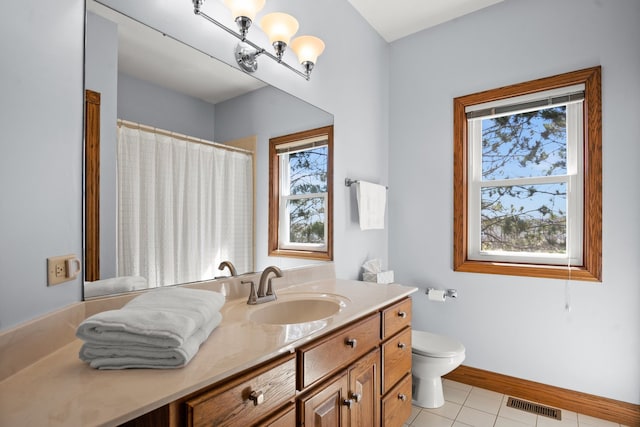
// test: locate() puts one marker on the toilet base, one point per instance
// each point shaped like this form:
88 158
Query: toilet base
427 392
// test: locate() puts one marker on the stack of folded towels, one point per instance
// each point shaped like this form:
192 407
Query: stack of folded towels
162 329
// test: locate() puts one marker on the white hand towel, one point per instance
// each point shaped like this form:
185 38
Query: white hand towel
372 200
165 317
117 356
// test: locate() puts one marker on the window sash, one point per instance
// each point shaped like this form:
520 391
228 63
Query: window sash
285 236
574 198
284 240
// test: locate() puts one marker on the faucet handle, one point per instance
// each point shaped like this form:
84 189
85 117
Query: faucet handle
253 294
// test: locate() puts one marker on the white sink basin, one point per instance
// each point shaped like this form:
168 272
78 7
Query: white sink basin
295 311
290 308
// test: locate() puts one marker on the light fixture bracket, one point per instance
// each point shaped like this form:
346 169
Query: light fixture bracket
247 57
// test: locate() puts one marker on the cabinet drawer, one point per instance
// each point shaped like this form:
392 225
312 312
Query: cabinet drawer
396 359
231 404
396 405
342 347
396 317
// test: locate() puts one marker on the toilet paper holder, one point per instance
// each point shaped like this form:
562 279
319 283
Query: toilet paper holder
451 293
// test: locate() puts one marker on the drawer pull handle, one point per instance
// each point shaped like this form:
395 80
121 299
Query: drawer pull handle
357 397
351 342
401 345
257 397
402 314
348 403
402 397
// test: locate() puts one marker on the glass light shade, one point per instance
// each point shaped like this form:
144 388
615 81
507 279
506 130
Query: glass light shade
308 48
247 8
279 27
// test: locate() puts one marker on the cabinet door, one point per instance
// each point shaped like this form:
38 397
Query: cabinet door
364 394
324 407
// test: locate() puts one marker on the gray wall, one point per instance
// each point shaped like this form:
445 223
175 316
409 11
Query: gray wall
147 103
267 113
514 325
41 110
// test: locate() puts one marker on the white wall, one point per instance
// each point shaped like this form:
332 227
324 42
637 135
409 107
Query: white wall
41 109
41 43
511 325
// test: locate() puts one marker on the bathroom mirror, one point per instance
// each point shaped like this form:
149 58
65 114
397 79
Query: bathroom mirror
137 69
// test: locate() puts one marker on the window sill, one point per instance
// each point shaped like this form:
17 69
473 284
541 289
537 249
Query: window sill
290 253
528 270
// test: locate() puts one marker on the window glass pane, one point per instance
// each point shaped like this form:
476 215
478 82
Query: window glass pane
525 145
528 219
308 171
306 220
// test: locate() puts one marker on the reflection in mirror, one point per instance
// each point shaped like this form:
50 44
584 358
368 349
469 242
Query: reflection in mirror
164 90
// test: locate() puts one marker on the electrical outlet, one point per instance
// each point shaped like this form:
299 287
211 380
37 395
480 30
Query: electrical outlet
62 269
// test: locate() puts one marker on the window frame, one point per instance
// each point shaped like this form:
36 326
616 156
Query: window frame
276 248
591 267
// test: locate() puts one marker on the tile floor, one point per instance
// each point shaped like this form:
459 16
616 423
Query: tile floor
471 406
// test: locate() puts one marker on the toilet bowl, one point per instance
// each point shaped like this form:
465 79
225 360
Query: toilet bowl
432 357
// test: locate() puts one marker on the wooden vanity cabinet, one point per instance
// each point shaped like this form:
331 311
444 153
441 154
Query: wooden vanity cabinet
396 364
356 376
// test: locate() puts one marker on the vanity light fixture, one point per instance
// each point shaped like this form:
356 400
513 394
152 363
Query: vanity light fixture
279 27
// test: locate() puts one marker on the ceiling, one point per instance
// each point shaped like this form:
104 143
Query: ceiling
394 19
148 54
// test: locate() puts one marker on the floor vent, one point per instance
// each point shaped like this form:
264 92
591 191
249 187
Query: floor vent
534 408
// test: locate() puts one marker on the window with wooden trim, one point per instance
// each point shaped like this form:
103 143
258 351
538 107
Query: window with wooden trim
300 194
528 178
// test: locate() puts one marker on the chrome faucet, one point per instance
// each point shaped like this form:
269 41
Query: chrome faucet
230 266
260 296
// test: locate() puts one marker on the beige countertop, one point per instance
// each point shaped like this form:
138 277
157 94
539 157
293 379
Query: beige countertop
61 390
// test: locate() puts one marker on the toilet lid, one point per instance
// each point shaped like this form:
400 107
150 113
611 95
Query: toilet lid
433 345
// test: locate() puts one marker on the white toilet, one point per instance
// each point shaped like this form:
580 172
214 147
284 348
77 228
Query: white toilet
432 357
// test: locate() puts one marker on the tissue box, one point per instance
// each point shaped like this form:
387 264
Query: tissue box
383 277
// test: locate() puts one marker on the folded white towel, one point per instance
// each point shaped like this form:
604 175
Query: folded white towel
165 317
128 356
372 200
114 285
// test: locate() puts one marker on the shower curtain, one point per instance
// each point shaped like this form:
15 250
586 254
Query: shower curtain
183 207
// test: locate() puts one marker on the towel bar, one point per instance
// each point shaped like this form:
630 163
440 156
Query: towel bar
348 182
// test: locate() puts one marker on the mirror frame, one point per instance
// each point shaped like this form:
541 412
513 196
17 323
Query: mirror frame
92 186
91 231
